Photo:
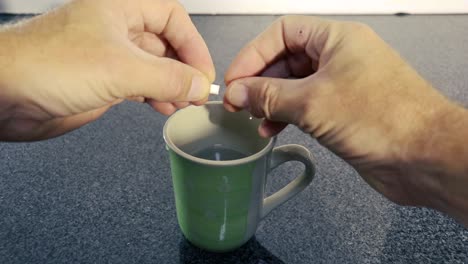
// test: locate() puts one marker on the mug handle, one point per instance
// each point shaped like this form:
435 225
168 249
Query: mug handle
281 155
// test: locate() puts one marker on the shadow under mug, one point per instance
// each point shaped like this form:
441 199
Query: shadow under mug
219 167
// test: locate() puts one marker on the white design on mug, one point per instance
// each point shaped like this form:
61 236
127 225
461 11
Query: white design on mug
224 187
222 231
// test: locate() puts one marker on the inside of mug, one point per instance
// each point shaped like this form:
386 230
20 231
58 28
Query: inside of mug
209 131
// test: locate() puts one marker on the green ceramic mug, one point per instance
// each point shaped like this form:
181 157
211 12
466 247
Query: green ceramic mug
219 167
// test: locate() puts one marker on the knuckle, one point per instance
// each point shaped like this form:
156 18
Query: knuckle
283 19
306 111
289 18
173 9
358 29
177 87
310 108
269 99
177 5
176 8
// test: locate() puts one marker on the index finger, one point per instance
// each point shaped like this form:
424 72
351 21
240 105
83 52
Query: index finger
170 20
289 34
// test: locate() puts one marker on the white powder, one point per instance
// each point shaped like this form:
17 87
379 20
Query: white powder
214 89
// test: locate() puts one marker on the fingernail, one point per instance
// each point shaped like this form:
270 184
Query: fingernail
238 95
199 89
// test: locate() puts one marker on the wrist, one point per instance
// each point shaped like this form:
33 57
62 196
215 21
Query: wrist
7 63
12 54
439 161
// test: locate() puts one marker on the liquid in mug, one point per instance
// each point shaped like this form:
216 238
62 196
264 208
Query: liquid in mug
219 152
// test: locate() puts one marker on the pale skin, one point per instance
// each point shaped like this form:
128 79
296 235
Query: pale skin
64 69
342 84
337 81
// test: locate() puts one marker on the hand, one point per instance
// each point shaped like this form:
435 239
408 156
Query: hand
64 69
339 82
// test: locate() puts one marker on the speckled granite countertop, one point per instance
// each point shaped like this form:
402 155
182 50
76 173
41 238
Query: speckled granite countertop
103 193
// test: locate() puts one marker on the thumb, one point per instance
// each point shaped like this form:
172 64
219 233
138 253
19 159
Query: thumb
164 80
275 99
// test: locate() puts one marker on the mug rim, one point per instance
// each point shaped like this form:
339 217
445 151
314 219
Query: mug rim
178 151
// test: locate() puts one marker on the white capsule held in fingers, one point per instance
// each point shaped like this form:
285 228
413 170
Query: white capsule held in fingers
214 89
